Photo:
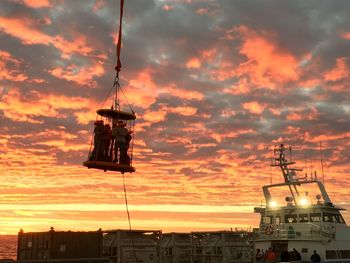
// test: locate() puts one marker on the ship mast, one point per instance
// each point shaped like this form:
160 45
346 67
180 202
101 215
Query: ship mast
289 174
291 178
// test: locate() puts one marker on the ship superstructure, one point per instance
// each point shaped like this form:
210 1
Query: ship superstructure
305 223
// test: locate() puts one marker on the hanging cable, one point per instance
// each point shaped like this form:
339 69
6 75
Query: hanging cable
129 220
126 100
132 143
116 95
109 94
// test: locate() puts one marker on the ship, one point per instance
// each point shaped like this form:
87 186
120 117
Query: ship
305 223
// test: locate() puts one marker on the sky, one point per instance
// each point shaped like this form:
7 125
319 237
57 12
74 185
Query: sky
215 85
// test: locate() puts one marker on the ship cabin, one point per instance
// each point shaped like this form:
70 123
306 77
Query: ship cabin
319 227
314 222
302 221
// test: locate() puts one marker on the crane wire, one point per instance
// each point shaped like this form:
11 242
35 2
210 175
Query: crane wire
126 100
116 84
129 220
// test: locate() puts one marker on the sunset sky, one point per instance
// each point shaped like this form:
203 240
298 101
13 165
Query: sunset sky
215 84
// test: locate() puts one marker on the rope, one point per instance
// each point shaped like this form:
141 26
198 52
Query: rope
127 211
119 44
117 88
109 93
132 143
126 100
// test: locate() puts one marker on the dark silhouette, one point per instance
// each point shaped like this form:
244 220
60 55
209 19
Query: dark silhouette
297 254
97 152
285 255
107 143
315 257
119 133
259 255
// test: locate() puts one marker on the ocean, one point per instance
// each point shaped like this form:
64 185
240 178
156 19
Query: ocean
8 246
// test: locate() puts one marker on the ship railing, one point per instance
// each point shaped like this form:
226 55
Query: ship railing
295 231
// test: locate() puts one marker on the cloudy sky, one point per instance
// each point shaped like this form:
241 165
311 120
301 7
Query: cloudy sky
215 85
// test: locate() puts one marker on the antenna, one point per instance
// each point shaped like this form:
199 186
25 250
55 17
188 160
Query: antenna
290 154
311 167
321 153
270 175
272 162
305 164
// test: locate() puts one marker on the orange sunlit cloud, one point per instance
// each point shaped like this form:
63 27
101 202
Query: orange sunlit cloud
28 31
266 63
7 73
193 63
81 75
167 7
37 3
254 107
16 107
346 35
341 71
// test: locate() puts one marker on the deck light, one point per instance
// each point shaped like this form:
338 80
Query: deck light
273 204
304 202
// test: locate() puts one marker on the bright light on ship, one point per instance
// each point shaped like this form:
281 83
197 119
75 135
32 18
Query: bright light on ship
304 202
273 204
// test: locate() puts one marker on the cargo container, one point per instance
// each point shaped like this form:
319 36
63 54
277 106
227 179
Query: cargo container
53 244
221 247
124 246
176 248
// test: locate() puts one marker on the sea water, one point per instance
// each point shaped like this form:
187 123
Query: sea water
8 246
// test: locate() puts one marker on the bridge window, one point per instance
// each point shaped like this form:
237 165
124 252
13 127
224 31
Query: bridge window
331 254
277 220
338 218
267 219
291 218
315 217
328 217
303 218
345 253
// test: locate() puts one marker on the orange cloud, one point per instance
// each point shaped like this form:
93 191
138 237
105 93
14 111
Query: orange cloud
17 108
167 7
78 45
341 71
193 63
209 54
143 91
81 75
154 116
346 35
9 68
28 30
185 110
184 94
326 137
37 3
267 64
99 4
298 115
24 29
254 107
